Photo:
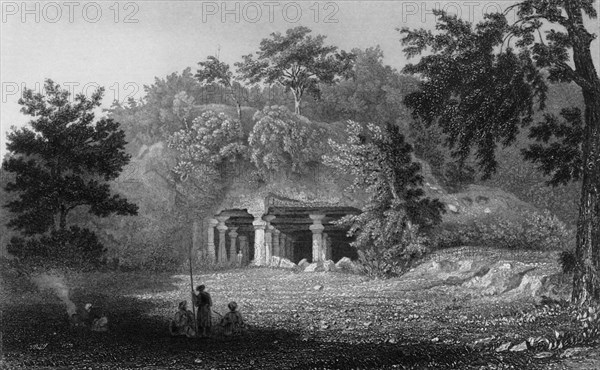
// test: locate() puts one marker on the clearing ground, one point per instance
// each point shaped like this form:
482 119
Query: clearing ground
297 320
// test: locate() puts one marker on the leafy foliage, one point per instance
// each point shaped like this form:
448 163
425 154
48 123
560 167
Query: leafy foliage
386 231
64 161
562 158
478 96
211 139
481 88
73 247
531 231
297 61
372 92
214 71
284 141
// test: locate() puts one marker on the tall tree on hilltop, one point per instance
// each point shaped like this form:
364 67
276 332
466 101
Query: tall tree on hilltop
64 161
296 60
481 85
214 71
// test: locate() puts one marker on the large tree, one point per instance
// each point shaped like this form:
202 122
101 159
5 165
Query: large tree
297 61
63 160
212 70
482 84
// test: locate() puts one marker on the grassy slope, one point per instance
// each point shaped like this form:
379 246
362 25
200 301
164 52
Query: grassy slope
352 321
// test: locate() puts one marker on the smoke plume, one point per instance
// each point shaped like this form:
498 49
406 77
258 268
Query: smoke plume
56 283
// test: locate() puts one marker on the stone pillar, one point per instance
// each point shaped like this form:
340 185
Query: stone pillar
211 240
268 239
290 247
275 242
317 236
222 255
233 245
244 249
259 239
282 246
329 250
325 247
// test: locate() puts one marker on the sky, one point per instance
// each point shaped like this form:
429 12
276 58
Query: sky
124 45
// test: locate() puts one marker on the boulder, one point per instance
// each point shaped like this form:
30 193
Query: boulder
286 264
311 267
345 263
452 208
329 266
303 263
275 261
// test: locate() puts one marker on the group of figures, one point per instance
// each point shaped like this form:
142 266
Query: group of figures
91 317
183 323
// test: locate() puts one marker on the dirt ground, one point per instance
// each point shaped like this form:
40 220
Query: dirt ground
296 321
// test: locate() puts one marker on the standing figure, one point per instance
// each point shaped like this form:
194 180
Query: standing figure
183 322
232 322
203 301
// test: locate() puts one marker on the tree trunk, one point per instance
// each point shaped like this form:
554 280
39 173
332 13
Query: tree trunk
239 111
586 280
297 98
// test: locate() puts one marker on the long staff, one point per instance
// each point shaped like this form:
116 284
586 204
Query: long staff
192 287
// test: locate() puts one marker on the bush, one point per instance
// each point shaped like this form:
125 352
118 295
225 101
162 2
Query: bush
74 247
532 231
393 259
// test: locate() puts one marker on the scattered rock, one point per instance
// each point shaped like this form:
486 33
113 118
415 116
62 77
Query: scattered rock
543 355
345 263
435 340
483 341
318 287
39 346
275 261
311 267
452 208
303 263
519 347
504 347
570 352
329 266
487 210
287 264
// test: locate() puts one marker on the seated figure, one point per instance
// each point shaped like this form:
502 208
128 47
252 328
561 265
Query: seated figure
232 322
183 322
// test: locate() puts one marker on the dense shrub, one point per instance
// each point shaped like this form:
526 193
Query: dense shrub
282 141
531 231
394 259
387 230
73 247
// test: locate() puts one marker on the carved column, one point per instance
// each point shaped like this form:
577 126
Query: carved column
317 236
244 249
282 246
329 250
233 244
289 241
268 239
325 245
211 239
259 239
275 242
222 255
